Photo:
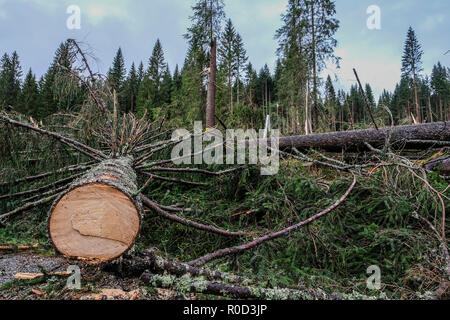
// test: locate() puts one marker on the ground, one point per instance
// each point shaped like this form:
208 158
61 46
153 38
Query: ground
97 285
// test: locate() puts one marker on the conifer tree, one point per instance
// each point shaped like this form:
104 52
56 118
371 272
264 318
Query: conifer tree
412 66
441 89
149 96
117 73
227 57
131 89
10 83
241 60
29 96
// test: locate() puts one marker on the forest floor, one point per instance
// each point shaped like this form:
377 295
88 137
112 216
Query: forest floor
97 284
377 225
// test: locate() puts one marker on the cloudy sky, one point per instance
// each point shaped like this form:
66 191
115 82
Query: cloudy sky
36 27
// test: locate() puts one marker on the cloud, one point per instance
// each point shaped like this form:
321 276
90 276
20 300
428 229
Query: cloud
378 68
2 11
431 22
99 11
273 10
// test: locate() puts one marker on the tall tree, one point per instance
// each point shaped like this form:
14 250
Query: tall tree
150 89
29 96
441 89
117 74
241 60
206 25
131 88
412 66
11 75
227 57
322 27
330 102
53 95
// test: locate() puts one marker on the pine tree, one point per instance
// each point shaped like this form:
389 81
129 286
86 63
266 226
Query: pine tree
29 96
131 90
149 96
206 25
441 90
52 97
322 27
5 67
140 73
412 66
241 60
330 102
116 75
227 57
251 79
11 75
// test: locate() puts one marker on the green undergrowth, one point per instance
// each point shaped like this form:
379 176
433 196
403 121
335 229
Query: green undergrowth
377 225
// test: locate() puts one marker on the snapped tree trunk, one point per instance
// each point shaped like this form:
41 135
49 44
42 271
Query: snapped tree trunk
98 217
211 97
412 137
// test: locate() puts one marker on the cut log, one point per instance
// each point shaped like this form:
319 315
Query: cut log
98 218
412 137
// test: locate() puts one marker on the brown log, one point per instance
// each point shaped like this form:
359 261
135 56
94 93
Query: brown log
442 162
411 137
99 216
187 284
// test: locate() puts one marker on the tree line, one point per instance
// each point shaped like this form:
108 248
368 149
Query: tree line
297 98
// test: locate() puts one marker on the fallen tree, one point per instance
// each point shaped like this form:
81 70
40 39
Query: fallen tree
409 137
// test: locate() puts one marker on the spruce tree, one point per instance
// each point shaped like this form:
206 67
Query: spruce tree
116 75
11 75
131 90
241 60
330 102
412 66
206 26
441 90
51 90
149 96
29 96
227 57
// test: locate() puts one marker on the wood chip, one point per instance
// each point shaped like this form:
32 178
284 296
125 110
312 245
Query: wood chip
37 291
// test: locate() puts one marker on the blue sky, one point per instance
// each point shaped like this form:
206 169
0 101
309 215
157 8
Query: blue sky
35 28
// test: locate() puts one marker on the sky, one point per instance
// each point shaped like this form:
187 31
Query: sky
35 28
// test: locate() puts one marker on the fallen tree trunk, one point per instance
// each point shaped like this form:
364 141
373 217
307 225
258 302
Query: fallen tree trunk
412 137
187 284
442 162
98 217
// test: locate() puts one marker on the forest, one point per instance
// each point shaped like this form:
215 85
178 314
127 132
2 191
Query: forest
363 180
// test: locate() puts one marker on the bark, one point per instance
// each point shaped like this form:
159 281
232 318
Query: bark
442 162
416 101
211 97
149 260
187 284
411 137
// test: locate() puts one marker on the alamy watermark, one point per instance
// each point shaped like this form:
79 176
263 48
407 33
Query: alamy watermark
212 147
374 281
374 20
74 20
74 280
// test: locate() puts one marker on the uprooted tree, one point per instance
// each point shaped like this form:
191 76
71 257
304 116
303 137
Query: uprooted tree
96 213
